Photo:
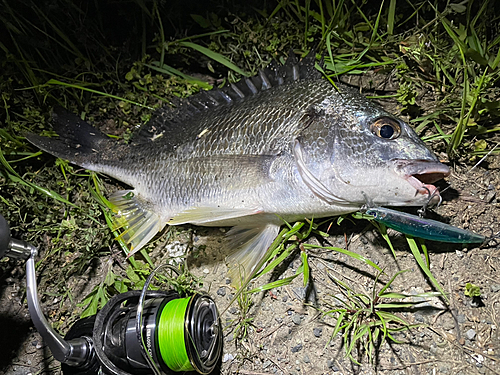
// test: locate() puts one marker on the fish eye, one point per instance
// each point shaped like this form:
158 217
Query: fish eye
386 127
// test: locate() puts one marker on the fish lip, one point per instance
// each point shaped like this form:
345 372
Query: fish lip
421 174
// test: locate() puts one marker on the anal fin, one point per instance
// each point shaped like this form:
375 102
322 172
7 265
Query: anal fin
136 221
249 243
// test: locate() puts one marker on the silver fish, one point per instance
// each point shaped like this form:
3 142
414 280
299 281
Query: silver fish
284 144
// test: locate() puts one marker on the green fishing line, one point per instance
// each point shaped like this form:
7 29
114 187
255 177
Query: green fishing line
171 336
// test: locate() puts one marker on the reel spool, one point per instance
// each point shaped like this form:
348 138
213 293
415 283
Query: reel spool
178 334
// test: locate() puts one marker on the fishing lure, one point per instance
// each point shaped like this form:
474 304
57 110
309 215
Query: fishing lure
423 228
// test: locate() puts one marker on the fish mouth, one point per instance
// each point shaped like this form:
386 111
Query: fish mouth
421 174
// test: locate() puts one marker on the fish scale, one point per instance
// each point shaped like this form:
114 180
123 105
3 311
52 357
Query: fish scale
264 120
284 144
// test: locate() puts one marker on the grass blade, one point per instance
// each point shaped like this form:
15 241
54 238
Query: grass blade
418 257
15 177
215 56
165 69
56 82
305 265
345 252
274 284
391 16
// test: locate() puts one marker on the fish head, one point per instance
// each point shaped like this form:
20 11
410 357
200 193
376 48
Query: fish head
360 152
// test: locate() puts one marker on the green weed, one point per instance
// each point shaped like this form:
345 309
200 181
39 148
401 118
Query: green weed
366 321
286 244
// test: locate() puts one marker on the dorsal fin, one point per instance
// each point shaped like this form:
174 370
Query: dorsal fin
176 125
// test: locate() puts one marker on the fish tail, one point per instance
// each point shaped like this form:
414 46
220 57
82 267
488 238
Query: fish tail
78 141
82 144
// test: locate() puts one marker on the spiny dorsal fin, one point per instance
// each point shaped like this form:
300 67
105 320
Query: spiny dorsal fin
176 125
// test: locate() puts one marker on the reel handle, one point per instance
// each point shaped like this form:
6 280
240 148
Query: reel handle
12 248
75 352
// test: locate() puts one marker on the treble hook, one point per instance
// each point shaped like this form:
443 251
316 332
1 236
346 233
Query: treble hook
421 211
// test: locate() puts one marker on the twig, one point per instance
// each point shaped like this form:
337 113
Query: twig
274 330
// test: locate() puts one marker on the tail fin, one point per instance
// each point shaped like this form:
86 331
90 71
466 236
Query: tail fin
82 144
78 142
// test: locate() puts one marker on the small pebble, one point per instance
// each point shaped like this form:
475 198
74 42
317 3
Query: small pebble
479 359
266 364
495 287
491 194
307 359
470 334
279 320
433 349
297 319
317 332
227 357
419 317
332 366
285 298
339 297
221 291
206 271
461 318
233 310
228 281
297 348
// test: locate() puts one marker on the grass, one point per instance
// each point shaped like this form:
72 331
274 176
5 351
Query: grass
289 241
366 321
55 56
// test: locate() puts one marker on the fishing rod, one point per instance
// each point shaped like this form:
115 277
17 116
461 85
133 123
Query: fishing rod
137 332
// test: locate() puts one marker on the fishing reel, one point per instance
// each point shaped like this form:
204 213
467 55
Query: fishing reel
137 332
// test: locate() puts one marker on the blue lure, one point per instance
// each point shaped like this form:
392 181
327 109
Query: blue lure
423 228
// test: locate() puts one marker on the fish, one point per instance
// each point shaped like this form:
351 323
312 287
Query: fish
283 145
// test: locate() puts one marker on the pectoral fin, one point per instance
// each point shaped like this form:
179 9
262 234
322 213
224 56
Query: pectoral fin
249 243
136 221
211 214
